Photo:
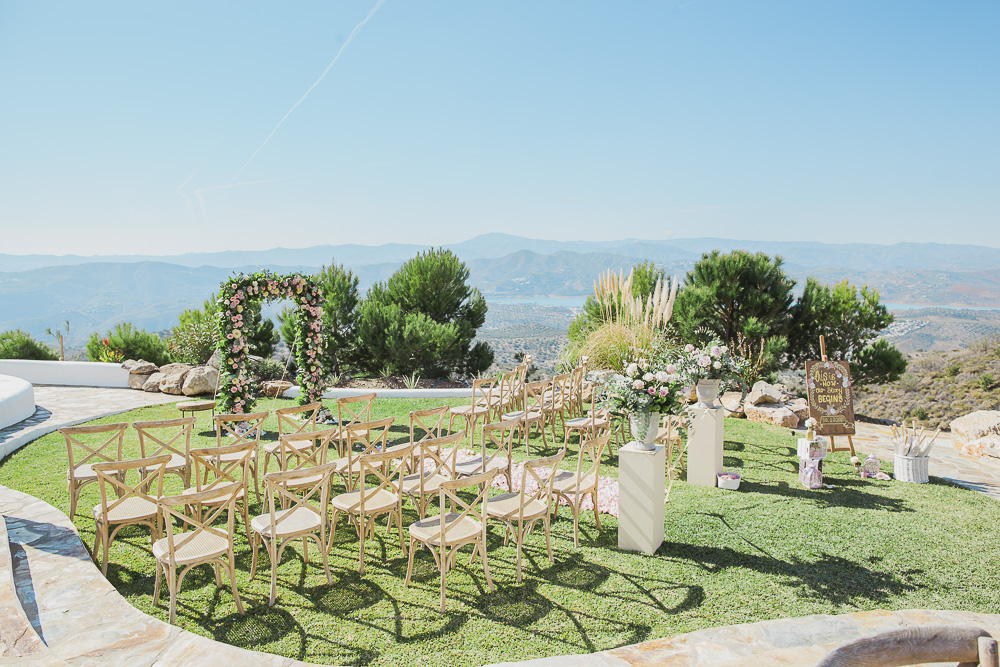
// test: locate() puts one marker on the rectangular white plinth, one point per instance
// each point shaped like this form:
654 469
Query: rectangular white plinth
705 446
641 493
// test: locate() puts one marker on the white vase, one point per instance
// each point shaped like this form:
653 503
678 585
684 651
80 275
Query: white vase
644 427
707 391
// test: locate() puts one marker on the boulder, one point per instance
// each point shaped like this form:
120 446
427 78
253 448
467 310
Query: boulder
976 425
173 378
200 380
214 360
800 407
140 367
275 388
138 380
762 393
771 413
153 383
988 445
731 400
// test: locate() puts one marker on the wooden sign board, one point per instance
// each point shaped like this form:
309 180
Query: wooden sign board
831 397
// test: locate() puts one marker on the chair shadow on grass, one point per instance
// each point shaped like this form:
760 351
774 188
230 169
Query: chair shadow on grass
847 494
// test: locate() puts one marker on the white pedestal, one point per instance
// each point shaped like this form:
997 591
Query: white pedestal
705 446
641 496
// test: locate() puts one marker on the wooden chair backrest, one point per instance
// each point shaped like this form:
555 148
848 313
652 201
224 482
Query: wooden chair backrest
576 384
219 499
371 436
291 494
500 436
115 437
535 394
532 471
115 476
433 461
208 459
449 490
228 426
427 423
388 469
306 457
482 391
356 409
590 455
158 431
560 390
288 421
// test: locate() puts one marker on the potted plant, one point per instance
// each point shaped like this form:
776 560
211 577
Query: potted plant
705 369
644 393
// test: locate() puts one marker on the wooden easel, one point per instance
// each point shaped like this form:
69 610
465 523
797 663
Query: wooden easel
833 444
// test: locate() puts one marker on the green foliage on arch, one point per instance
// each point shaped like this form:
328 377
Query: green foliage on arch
236 391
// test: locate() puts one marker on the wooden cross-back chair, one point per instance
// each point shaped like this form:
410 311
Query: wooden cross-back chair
481 406
224 465
131 503
520 510
353 410
445 533
359 439
517 388
495 454
574 487
533 412
299 517
171 437
199 541
82 454
669 435
424 425
436 461
559 399
229 426
305 451
291 420
503 395
575 406
590 425
368 502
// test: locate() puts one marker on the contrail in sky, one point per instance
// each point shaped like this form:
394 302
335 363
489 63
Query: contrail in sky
343 48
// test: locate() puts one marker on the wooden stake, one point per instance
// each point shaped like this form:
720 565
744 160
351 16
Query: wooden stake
62 355
822 348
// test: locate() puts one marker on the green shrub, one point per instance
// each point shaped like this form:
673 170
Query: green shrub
953 370
131 343
986 381
17 344
920 413
195 341
271 369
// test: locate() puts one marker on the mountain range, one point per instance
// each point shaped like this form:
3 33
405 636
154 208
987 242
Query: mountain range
94 293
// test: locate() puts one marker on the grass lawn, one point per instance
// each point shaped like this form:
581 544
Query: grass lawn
772 549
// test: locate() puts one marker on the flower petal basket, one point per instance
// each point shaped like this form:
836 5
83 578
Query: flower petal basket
729 480
911 468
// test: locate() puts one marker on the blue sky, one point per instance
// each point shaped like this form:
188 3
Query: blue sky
128 127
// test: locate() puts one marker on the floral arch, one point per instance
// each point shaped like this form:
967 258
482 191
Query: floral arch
236 391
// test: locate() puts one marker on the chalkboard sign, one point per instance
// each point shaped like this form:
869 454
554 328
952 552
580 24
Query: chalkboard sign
831 399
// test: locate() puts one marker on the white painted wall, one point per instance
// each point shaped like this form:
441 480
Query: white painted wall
70 373
17 400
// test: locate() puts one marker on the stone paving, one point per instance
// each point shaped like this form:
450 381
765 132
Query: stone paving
56 407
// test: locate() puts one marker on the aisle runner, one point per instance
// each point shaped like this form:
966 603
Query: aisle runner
607 487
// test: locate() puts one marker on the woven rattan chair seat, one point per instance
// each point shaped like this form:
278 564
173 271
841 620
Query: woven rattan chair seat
505 506
83 472
470 409
203 546
522 415
239 496
411 483
475 465
289 522
429 530
131 509
350 502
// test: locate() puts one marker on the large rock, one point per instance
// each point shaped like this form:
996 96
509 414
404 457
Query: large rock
140 367
976 425
731 400
200 380
275 388
214 360
771 413
762 393
800 407
138 380
173 378
153 383
988 445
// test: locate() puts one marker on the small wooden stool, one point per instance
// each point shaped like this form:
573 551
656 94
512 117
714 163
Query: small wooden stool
196 406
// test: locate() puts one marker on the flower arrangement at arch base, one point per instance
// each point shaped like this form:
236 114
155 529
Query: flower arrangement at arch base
644 392
707 368
236 390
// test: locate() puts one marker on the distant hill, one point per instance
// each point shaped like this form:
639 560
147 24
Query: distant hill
37 292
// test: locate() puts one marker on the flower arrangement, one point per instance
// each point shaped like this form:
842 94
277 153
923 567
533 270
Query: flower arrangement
642 389
711 362
237 390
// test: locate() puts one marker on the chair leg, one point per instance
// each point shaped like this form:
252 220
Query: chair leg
305 550
272 550
597 515
253 557
326 560
230 565
444 573
74 497
486 567
362 530
548 537
409 563
172 585
156 584
576 525
519 538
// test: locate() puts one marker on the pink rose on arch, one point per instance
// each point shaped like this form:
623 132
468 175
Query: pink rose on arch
638 385
705 361
662 376
671 369
651 391
689 348
716 351
664 391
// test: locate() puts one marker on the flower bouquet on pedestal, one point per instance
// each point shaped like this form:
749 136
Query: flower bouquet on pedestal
644 393
705 369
